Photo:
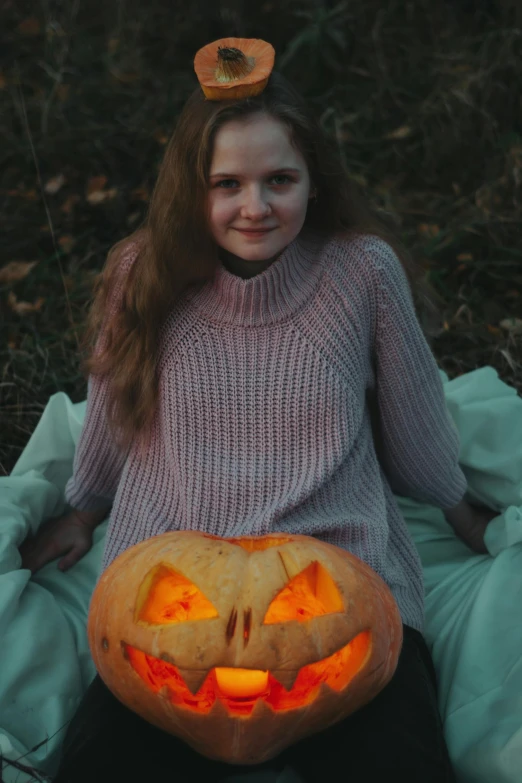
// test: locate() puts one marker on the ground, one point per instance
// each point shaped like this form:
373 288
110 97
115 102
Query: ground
423 98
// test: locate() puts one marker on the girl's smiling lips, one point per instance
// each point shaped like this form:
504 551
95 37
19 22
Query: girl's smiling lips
254 231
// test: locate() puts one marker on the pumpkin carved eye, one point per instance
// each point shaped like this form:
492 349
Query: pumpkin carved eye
166 596
312 592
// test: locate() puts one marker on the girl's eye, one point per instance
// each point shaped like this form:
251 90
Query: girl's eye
224 183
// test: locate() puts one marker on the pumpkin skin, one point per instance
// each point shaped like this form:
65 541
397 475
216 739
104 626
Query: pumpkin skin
251 61
176 621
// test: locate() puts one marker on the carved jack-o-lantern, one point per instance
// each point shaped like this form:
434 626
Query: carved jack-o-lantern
242 646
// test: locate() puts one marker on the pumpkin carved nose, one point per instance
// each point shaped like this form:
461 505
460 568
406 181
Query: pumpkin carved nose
232 623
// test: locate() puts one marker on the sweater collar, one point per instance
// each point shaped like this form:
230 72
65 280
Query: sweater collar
268 297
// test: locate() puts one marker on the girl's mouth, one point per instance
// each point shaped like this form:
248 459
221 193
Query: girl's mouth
254 233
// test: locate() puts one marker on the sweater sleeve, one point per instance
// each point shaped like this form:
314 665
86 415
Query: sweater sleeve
98 463
419 442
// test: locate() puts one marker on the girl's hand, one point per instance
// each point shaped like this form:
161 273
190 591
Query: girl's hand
471 530
69 535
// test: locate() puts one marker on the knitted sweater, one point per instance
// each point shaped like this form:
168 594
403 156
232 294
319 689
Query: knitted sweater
264 421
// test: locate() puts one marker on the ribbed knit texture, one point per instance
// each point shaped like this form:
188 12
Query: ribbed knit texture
263 423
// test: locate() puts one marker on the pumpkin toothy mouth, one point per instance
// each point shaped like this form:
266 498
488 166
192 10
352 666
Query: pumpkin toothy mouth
240 689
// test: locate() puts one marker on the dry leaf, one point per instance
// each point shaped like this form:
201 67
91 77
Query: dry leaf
69 202
360 179
465 257
55 30
62 91
113 45
513 325
29 195
133 217
95 190
97 196
483 199
399 133
96 183
16 270
67 242
24 307
428 229
343 135
140 194
29 26
125 77
160 137
53 185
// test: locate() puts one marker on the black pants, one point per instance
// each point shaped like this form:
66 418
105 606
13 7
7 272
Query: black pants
400 731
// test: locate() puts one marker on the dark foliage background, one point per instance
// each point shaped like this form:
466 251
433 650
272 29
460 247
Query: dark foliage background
424 99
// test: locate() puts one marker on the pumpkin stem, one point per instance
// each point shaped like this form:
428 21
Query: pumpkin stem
232 64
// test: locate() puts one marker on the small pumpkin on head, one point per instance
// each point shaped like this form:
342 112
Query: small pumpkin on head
234 67
242 646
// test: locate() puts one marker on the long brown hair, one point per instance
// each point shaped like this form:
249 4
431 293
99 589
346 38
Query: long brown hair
176 249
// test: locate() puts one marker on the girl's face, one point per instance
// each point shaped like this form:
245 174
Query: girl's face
259 187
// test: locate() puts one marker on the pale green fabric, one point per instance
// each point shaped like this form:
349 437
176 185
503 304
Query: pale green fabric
473 602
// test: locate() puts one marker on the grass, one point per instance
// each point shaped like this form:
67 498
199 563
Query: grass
423 99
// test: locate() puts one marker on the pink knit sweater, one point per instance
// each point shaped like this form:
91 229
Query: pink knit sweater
264 419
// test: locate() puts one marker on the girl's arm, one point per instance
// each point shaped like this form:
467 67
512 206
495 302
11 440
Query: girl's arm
470 524
419 442
98 463
459 513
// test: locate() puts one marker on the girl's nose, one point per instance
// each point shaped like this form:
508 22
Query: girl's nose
256 205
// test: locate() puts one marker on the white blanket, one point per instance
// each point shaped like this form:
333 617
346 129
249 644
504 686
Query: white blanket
473 602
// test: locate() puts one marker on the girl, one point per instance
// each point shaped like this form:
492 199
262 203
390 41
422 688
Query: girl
244 335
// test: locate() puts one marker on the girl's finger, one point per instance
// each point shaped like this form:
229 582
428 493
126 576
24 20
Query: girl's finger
72 557
66 562
33 557
38 557
27 562
33 562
